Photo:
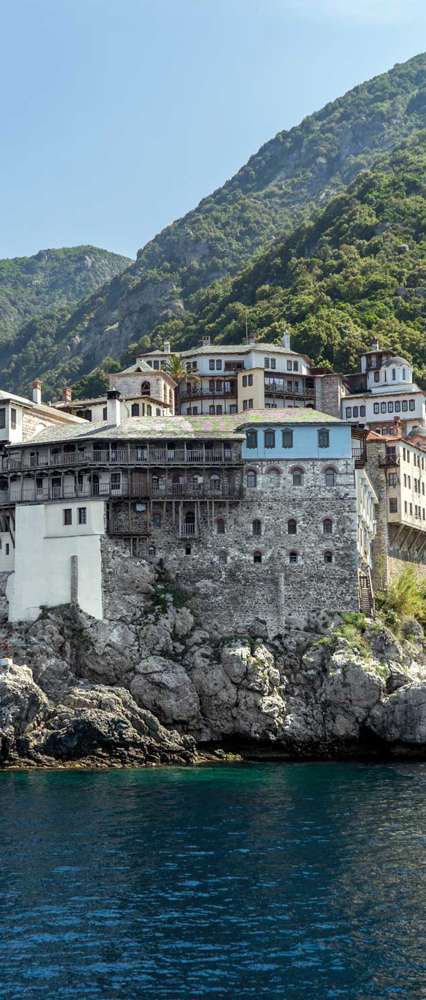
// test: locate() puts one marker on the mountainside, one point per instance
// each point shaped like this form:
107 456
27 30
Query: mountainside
51 279
279 187
357 267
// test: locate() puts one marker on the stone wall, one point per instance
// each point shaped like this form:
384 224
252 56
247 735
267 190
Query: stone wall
215 569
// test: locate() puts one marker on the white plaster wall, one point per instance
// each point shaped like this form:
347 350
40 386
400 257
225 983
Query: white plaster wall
44 546
7 558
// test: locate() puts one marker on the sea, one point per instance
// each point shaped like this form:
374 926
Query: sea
277 880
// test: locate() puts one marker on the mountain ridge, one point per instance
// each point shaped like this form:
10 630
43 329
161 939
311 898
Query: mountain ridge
279 187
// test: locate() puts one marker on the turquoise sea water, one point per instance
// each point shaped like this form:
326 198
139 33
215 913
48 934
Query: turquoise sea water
277 880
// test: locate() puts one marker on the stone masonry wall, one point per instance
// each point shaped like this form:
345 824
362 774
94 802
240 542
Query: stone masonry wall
228 591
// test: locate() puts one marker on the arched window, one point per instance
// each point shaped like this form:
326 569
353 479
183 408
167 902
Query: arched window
135 409
220 526
274 476
292 526
293 557
327 526
328 556
257 556
330 477
146 389
297 475
149 410
251 479
257 527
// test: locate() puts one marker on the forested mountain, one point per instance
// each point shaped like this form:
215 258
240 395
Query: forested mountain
51 279
177 283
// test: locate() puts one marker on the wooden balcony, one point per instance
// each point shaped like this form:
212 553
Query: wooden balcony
143 455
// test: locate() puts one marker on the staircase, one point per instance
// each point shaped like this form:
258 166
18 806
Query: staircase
366 594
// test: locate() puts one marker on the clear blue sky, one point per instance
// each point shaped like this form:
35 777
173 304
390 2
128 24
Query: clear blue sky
119 115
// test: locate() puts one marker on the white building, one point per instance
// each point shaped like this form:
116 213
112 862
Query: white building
382 392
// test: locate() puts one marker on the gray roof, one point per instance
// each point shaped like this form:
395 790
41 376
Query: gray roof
188 427
396 360
44 409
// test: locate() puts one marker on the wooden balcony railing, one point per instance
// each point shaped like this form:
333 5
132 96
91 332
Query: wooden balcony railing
140 456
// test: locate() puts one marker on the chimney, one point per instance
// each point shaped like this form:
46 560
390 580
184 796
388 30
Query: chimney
286 341
67 394
166 347
37 391
205 341
113 408
251 338
374 344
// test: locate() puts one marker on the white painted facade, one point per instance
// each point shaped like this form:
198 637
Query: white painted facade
46 540
366 515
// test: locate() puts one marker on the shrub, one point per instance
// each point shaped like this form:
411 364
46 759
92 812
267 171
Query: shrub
405 597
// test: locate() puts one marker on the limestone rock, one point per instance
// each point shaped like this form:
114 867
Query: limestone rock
164 687
401 718
21 700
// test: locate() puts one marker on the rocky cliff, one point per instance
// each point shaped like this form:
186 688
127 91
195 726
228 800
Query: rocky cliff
151 685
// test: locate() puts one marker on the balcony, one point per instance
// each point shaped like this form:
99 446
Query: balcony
389 459
142 455
277 387
222 390
359 456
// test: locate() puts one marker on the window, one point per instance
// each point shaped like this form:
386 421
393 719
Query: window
412 405
218 364
404 405
195 410
327 526
328 556
376 407
377 376
211 364
393 374
397 406
362 411
211 408
266 362
13 418
104 413
297 475
2 416
330 477
393 505
67 515
323 439
257 556
348 411
149 410
220 526
156 365
383 407
145 388
390 407
287 439
233 408
404 373
251 439
293 557
289 366
269 439
244 380
115 480
251 479
82 515
156 519
292 526
7 548
295 366
249 379
135 409
257 527
392 478
273 363
188 550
